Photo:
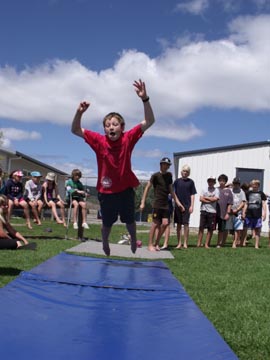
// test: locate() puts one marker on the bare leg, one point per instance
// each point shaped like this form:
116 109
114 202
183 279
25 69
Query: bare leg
131 228
53 207
186 234
178 233
162 229
208 239
167 237
105 231
154 227
200 237
25 207
257 233
10 209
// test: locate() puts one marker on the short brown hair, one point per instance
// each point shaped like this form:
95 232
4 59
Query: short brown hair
116 115
76 172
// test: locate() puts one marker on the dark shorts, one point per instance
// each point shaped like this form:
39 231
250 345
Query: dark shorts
181 218
159 214
122 204
253 223
207 221
8 244
221 224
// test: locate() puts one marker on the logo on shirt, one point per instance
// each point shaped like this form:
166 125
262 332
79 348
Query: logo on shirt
106 182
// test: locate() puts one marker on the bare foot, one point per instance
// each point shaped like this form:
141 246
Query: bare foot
185 246
178 246
157 248
29 226
151 248
59 221
206 246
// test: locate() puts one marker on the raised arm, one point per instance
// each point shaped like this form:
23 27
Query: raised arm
76 128
149 118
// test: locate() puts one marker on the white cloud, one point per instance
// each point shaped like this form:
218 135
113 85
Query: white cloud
194 7
228 73
11 134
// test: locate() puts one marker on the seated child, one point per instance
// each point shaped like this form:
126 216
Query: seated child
76 194
52 198
33 193
14 193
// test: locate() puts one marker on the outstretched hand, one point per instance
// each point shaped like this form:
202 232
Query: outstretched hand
140 88
84 105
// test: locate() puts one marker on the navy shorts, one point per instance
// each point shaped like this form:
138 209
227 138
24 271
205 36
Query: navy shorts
118 204
181 217
253 223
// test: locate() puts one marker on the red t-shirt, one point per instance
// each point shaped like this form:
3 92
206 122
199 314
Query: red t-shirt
114 159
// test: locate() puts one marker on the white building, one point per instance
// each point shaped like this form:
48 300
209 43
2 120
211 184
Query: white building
246 161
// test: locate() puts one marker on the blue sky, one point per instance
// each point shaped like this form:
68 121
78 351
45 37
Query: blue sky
205 63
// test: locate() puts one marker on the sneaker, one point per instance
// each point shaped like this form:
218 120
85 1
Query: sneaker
85 226
75 226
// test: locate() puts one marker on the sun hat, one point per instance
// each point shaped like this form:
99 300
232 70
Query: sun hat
18 173
35 174
50 176
165 160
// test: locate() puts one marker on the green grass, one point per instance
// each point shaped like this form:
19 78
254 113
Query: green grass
229 285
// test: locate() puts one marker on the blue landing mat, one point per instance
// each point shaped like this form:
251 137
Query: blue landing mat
74 307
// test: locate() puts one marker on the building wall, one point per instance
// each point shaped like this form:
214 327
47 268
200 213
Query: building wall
11 162
224 161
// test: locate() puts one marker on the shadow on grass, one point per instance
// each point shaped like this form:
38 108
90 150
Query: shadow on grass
9 271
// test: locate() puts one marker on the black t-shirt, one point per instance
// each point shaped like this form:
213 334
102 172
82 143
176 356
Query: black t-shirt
254 201
184 188
161 183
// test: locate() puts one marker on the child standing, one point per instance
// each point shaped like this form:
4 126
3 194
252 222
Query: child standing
255 210
116 180
209 198
76 195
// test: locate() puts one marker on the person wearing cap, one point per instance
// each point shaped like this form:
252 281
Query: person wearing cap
224 206
235 221
116 180
162 184
185 190
14 192
52 198
254 211
33 193
208 198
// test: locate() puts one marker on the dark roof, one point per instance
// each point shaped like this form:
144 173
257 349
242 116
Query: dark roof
26 157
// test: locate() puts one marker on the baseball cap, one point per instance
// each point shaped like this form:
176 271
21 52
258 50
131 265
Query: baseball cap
165 160
36 174
211 178
236 180
18 173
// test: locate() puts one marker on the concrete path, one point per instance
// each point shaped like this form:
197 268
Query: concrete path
95 247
